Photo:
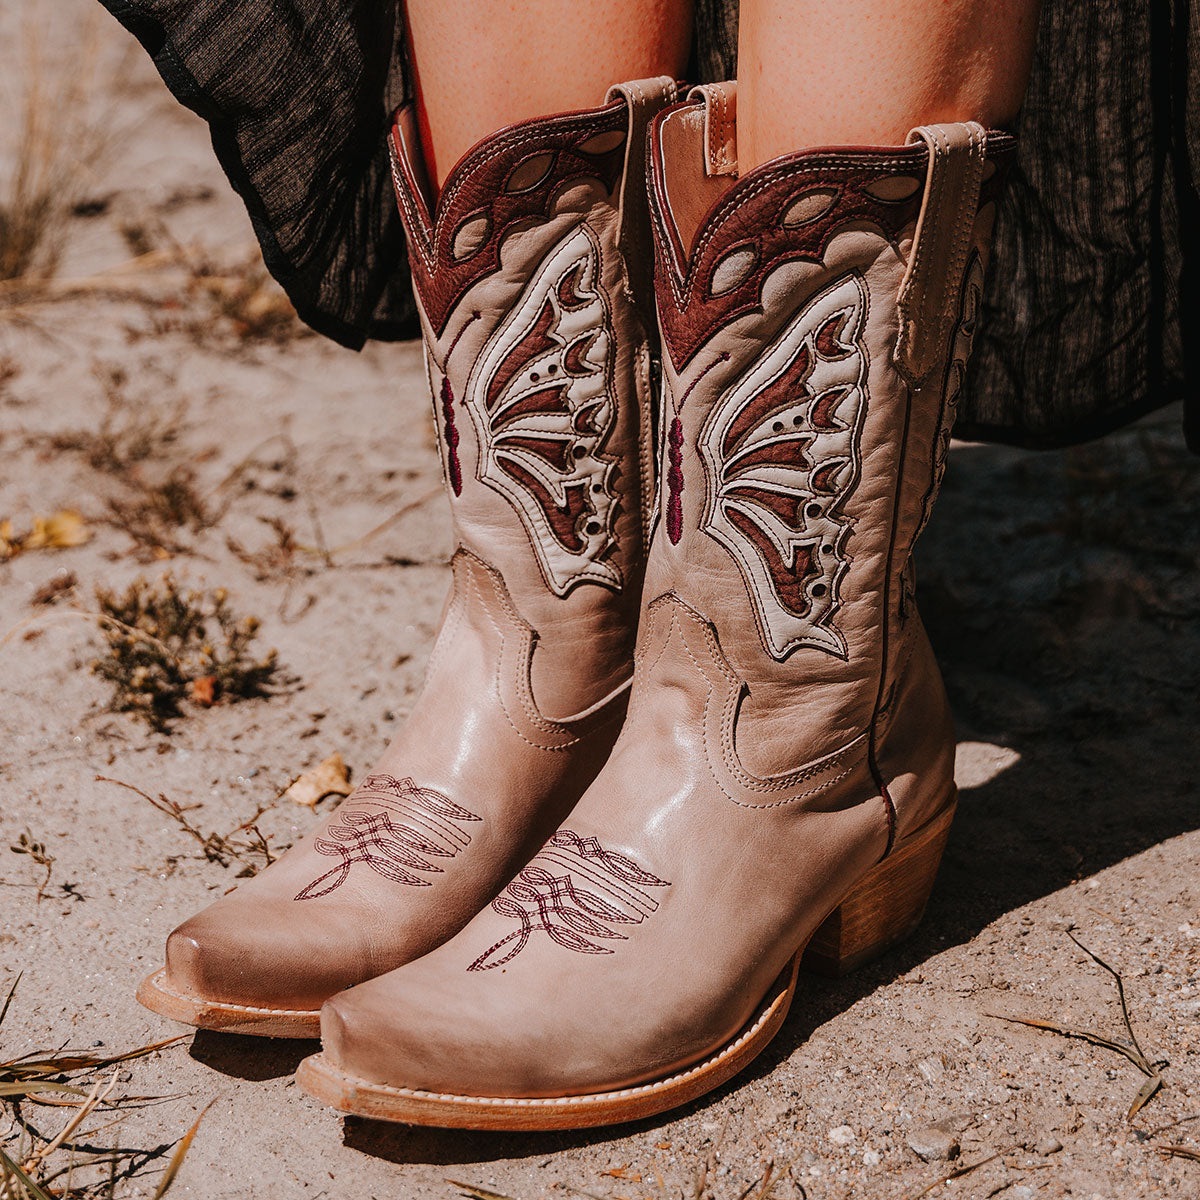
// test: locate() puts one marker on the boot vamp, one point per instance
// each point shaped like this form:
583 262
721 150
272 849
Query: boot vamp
469 790
646 931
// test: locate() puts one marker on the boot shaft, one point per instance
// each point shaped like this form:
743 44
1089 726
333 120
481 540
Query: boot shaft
815 318
527 272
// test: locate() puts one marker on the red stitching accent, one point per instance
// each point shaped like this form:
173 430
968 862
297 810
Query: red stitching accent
541 897
393 850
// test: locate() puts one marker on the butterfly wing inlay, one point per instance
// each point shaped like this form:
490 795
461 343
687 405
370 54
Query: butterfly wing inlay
781 453
543 404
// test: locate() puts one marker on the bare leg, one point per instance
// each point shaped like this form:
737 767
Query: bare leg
864 72
484 64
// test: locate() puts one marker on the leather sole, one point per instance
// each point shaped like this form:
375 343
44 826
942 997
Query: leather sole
883 908
155 994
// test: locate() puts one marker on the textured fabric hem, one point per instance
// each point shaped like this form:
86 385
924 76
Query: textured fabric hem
1061 437
187 91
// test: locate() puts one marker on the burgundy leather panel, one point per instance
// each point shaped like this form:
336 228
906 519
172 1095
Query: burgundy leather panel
508 178
703 288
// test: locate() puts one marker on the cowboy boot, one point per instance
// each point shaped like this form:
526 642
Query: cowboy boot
538 361
784 780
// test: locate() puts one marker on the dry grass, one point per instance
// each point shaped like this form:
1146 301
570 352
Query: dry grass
129 434
167 648
158 504
77 1092
59 139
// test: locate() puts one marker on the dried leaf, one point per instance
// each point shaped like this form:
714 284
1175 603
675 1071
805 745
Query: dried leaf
330 778
62 530
59 1064
203 691
30 1087
1144 1093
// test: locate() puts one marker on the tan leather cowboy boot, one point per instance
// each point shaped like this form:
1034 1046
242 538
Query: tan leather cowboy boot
538 358
784 781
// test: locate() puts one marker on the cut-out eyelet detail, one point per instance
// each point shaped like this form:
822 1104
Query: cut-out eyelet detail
602 143
529 172
733 270
470 235
808 207
893 189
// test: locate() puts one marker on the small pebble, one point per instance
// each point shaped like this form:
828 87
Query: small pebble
1047 1145
870 1158
932 1068
841 1135
933 1144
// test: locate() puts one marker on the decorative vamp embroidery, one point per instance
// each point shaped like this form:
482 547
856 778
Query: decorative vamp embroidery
543 405
576 892
956 372
396 828
781 452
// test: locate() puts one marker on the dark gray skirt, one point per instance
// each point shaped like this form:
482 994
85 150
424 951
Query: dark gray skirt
1095 257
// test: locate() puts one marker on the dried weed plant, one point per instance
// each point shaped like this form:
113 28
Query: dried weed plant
166 647
159 503
245 843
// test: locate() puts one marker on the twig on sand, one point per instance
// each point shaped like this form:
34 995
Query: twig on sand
1152 1069
957 1173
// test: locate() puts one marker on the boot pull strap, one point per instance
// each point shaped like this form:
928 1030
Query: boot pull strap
720 126
945 229
644 99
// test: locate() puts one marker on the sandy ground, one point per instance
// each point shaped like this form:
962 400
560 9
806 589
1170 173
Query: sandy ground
1062 592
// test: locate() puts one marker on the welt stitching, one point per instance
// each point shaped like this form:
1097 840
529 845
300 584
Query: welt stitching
159 982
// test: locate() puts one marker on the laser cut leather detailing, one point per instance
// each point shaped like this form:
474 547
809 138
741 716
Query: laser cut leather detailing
488 193
781 450
414 827
578 893
788 760
531 276
543 405
792 214
674 466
